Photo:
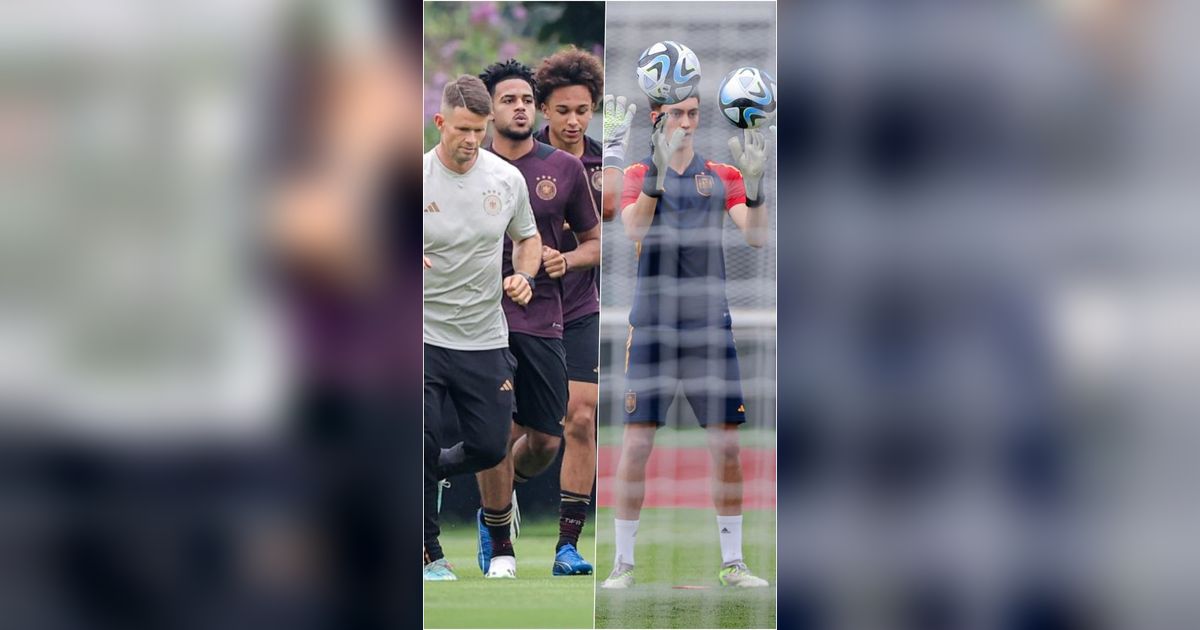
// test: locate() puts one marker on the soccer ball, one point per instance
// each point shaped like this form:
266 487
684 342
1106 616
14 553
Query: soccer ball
668 72
747 97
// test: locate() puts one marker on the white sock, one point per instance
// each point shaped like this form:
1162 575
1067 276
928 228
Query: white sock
626 533
729 529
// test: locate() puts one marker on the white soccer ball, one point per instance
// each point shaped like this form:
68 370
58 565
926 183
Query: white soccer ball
668 72
747 97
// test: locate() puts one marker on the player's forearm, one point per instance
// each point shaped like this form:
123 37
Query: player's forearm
756 225
585 256
610 200
637 216
527 255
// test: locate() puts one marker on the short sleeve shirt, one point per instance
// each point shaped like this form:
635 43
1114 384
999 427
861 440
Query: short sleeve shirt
581 287
558 191
466 219
681 259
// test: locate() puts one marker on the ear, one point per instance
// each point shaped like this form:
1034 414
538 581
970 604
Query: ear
439 120
654 117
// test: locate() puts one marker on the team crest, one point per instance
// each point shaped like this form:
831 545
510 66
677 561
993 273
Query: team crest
597 178
491 202
546 188
630 402
704 184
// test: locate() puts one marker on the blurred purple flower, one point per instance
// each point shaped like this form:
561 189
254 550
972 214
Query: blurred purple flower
485 12
519 12
450 48
509 50
439 79
432 102
598 50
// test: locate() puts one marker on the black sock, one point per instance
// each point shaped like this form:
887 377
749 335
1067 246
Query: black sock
433 551
572 510
497 522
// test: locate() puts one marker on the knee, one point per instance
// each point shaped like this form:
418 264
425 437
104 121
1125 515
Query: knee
725 449
580 425
636 448
544 445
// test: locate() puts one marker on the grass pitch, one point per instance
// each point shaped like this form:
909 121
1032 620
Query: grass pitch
678 547
536 599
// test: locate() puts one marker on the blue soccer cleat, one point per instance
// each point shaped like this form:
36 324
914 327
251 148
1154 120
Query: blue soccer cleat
485 543
438 571
568 562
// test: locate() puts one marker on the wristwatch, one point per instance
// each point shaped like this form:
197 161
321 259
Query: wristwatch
529 279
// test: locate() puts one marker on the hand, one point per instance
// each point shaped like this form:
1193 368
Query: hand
554 262
518 289
426 263
664 149
618 120
751 161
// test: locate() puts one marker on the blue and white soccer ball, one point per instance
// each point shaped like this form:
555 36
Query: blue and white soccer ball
668 72
747 97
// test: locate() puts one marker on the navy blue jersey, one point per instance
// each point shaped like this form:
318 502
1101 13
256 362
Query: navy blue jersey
681 260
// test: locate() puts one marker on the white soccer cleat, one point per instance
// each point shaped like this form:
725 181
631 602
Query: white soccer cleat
737 574
503 567
621 577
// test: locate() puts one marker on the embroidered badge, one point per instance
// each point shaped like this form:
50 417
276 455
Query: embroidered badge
491 202
704 184
546 188
630 402
597 178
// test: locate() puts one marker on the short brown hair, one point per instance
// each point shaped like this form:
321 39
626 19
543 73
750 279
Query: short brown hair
467 91
570 66
655 106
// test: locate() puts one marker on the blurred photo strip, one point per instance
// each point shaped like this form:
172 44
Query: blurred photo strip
512 184
986 412
208 382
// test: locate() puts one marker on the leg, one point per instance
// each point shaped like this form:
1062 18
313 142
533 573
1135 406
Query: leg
636 446
483 402
727 469
533 453
578 472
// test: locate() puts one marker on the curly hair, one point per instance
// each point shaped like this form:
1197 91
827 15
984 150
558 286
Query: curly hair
509 69
570 66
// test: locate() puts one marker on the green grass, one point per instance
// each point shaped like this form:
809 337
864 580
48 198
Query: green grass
534 600
678 547
610 435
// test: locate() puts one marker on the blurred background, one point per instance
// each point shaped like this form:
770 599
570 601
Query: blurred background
206 365
988 314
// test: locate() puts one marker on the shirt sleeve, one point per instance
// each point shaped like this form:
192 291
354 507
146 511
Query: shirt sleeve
634 175
581 211
522 226
735 188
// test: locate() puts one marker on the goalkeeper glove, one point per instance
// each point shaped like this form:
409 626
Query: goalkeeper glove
618 120
661 151
751 161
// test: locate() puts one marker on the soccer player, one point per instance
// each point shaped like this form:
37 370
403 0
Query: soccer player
674 205
569 87
472 200
560 191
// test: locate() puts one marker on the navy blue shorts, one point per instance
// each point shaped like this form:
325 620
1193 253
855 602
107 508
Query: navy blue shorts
701 361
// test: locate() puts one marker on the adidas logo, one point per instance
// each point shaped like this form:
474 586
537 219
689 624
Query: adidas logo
432 207
506 386
741 408
724 530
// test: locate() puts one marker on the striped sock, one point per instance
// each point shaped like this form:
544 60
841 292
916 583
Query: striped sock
497 522
572 509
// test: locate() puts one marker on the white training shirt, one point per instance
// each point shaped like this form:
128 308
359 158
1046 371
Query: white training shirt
465 220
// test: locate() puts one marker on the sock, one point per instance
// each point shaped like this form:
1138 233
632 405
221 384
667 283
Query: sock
497 523
729 530
626 533
433 551
572 513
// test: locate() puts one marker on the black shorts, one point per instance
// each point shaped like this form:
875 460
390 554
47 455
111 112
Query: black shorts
469 394
541 382
581 339
658 361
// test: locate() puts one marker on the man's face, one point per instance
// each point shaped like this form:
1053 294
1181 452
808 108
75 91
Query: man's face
462 132
512 103
568 110
683 115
